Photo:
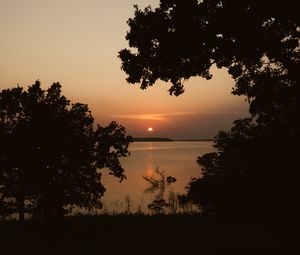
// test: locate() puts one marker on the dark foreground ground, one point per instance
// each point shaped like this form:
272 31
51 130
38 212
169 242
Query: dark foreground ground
147 235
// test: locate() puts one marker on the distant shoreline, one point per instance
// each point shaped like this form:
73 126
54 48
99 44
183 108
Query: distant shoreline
195 140
163 139
151 139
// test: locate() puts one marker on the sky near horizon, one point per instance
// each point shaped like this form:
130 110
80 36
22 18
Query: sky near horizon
76 42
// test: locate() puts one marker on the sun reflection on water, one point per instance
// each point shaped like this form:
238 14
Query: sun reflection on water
149 172
150 146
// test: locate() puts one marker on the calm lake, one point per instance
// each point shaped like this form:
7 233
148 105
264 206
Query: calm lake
177 159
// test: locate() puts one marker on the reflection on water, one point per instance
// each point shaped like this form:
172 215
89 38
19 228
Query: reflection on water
176 159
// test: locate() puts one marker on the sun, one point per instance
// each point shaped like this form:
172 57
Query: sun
150 129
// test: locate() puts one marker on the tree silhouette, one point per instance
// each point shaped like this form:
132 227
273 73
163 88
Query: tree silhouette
181 39
51 154
258 42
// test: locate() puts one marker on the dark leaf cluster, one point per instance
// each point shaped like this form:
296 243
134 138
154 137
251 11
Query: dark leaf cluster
181 39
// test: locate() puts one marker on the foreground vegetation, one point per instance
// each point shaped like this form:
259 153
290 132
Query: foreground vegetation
140 234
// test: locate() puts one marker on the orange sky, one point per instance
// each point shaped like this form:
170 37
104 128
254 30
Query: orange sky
76 42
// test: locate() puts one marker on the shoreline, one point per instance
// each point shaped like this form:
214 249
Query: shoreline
170 140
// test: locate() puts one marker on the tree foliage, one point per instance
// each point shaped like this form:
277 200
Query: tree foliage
50 152
255 165
181 39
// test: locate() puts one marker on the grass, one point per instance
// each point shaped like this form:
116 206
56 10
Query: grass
128 234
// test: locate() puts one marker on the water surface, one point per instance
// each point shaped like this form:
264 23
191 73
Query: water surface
176 159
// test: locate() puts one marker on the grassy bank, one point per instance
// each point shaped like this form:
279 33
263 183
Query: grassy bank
176 234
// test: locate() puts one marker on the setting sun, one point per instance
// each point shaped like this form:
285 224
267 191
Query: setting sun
150 129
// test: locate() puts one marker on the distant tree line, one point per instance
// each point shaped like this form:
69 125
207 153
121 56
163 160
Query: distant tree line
151 139
255 169
51 153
